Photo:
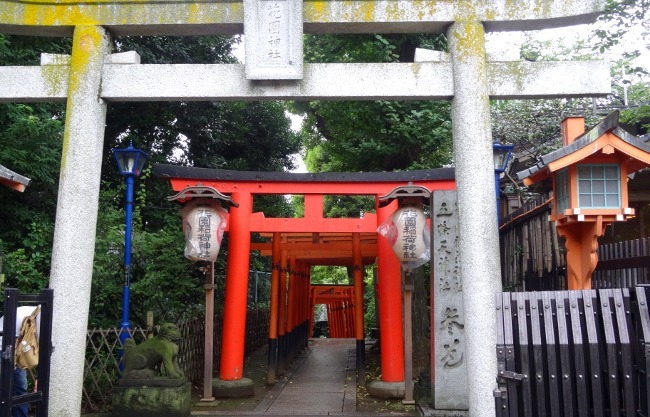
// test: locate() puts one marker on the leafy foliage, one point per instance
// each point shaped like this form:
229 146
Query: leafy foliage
620 17
254 136
377 135
30 144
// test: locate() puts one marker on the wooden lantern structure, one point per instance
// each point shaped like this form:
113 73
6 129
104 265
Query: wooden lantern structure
589 177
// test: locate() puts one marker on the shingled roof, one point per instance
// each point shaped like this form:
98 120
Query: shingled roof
608 124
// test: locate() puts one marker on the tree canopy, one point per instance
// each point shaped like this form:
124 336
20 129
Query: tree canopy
227 135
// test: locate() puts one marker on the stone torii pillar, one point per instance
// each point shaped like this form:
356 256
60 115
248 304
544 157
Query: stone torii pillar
480 269
92 77
76 216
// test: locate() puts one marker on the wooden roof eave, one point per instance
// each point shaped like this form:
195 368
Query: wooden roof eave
13 180
621 146
638 157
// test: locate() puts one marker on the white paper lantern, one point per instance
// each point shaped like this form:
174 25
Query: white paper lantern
410 244
203 224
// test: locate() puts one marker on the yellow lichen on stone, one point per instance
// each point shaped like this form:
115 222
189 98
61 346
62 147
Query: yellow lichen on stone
46 15
85 44
393 11
470 41
315 11
56 76
368 11
425 8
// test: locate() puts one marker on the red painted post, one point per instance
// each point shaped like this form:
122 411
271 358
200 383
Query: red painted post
312 305
273 319
389 294
291 311
236 297
282 314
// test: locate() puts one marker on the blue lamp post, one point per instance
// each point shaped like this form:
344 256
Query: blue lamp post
502 155
129 162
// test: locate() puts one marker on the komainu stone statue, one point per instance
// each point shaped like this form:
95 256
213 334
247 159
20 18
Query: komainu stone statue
144 361
142 391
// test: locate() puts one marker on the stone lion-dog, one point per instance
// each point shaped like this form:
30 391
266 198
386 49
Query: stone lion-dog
143 361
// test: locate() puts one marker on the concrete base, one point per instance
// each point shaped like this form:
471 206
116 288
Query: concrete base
238 388
152 401
386 390
426 411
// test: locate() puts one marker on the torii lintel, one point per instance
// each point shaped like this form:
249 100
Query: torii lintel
159 17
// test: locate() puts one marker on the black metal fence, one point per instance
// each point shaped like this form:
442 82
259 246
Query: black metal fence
573 353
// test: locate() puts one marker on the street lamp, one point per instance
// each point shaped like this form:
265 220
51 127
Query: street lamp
129 162
502 155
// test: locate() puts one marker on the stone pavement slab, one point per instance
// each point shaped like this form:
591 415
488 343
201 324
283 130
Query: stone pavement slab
321 382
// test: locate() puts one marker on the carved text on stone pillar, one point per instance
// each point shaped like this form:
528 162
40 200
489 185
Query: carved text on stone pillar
273 39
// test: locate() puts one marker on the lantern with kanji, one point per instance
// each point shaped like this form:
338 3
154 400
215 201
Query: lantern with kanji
408 233
204 222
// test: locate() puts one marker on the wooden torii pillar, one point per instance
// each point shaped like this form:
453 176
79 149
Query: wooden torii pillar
293 255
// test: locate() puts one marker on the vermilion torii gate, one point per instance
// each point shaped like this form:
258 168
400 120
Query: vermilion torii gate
330 241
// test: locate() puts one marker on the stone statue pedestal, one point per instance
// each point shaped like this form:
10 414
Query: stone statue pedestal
152 398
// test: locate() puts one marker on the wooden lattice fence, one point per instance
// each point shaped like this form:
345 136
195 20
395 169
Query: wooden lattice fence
103 346
532 259
623 264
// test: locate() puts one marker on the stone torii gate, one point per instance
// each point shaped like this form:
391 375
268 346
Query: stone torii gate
92 76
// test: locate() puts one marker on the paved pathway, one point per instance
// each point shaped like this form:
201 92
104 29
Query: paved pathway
320 382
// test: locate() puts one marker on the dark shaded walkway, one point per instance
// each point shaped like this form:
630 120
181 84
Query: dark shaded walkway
322 381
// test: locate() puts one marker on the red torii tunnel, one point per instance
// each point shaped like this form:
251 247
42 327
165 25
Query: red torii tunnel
339 302
297 244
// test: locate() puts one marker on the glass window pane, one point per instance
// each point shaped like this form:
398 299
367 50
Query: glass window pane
597 171
612 200
598 200
585 200
611 172
612 186
584 171
584 186
598 187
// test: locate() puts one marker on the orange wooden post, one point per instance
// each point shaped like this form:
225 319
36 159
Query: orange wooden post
330 319
342 321
581 251
389 294
312 306
359 331
273 319
282 314
236 297
291 310
336 318
305 301
349 313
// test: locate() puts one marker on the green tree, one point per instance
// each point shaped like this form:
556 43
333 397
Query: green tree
30 144
373 135
162 279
